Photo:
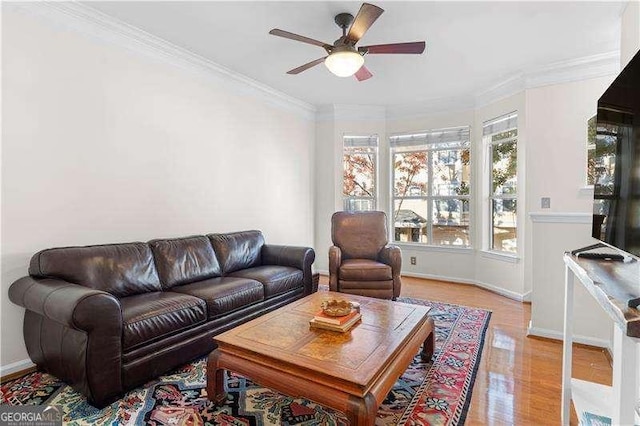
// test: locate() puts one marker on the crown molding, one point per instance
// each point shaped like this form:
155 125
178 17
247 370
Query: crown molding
84 19
349 112
577 69
431 106
89 21
585 68
505 88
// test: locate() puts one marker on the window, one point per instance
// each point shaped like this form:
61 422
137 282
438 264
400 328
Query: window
592 168
359 172
607 140
500 137
431 180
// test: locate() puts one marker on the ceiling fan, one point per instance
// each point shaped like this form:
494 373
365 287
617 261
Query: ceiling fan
343 58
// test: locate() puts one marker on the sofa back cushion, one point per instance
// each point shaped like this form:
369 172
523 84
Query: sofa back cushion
238 250
120 269
184 260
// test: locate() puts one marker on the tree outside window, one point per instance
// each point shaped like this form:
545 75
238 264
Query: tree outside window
359 172
431 181
500 136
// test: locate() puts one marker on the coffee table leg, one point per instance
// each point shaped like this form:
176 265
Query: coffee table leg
215 379
362 411
429 344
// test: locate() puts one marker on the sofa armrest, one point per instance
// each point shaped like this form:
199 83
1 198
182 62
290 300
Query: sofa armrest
295 257
335 260
74 333
68 304
392 255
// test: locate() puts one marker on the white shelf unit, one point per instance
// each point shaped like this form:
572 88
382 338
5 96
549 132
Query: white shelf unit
612 284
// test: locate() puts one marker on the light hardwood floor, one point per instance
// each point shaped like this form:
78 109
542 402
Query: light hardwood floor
518 381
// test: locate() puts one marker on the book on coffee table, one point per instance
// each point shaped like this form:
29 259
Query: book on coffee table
328 319
353 319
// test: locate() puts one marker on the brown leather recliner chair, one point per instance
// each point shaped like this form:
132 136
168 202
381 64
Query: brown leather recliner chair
360 260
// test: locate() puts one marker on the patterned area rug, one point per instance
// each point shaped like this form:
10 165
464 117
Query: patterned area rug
433 393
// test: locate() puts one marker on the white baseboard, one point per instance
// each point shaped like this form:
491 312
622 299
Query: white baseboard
492 288
557 335
14 367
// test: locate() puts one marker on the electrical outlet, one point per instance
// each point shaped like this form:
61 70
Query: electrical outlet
413 260
545 202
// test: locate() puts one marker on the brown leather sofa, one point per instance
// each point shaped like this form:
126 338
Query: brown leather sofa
360 260
108 318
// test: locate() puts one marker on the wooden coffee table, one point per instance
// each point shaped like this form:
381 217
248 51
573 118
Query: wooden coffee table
351 372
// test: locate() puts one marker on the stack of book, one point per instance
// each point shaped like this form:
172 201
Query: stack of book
341 324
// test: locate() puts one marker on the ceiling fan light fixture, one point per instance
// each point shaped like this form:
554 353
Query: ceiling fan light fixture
344 63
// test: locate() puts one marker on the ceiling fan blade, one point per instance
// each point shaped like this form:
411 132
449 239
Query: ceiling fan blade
306 66
297 37
413 47
366 16
363 74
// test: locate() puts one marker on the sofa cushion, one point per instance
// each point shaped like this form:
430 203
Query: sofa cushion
184 260
238 250
364 270
120 269
148 317
224 294
275 279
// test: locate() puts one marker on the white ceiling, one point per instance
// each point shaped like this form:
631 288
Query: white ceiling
470 45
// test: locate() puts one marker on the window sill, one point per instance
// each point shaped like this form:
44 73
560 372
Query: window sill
497 255
586 190
431 248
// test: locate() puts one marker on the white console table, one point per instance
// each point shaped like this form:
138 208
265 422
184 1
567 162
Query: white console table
612 284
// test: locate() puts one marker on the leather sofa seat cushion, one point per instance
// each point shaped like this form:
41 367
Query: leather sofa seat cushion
276 279
120 269
238 250
151 316
224 294
364 270
184 260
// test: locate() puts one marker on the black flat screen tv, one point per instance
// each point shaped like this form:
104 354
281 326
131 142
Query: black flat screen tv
616 163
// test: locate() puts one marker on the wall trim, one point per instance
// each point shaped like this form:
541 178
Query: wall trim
558 335
430 106
584 68
89 21
348 112
507 87
561 217
502 256
576 69
15 367
492 288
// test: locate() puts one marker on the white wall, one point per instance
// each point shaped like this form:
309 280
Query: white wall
557 132
630 32
101 144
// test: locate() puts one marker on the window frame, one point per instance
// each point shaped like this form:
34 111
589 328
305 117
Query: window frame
430 148
375 147
490 197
